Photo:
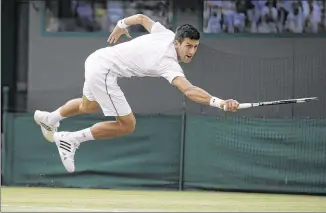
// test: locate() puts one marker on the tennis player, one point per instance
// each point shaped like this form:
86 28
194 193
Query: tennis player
156 54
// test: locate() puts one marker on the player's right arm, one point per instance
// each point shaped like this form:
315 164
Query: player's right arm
201 96
121 27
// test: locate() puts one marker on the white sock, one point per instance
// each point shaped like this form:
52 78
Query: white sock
55 117
83 135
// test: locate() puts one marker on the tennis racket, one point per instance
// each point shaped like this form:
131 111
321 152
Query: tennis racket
278 102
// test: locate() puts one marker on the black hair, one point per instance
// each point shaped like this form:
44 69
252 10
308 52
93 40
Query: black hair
186 31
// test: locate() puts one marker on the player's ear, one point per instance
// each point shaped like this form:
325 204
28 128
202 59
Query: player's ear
176 43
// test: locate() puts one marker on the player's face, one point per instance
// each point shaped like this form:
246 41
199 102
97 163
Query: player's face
187 49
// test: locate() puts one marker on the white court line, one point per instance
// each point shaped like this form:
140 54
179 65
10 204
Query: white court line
54 208
67 208
75 209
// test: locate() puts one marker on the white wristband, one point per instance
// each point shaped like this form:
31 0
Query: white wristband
215 102
121 24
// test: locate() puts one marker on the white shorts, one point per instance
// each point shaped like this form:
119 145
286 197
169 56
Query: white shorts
101 86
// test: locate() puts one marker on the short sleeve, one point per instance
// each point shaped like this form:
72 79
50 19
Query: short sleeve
171 72
158 28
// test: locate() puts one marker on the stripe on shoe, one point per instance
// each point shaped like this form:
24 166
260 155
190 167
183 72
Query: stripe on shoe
65 145
45 126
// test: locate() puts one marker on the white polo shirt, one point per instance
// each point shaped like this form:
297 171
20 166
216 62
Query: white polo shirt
150 55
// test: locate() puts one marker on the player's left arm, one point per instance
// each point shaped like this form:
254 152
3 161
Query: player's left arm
121 27
201 96
139 19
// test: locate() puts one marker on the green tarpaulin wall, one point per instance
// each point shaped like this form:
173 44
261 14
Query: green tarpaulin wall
250 154
216 153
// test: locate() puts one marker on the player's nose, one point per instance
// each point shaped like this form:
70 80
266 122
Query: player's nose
192 51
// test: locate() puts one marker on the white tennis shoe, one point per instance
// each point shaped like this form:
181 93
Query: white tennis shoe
67 147
41 118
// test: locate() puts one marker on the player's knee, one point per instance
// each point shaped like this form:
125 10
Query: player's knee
128 125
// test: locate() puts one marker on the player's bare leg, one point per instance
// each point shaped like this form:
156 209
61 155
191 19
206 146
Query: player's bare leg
76 107
50 121
109 129
68 142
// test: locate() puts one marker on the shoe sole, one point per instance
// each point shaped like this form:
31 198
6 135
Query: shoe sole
44 128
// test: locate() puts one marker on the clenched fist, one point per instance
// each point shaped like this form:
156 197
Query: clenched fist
230 105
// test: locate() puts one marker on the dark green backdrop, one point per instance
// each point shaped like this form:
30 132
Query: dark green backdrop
216 153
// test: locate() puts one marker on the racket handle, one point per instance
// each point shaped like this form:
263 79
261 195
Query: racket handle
245 105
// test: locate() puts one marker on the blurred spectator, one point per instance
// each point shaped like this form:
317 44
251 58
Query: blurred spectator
314 16
267 21
214 24
264 16
85 16
295 19
282 15
240 16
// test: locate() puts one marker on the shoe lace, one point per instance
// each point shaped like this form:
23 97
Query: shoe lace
72 150
56 126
